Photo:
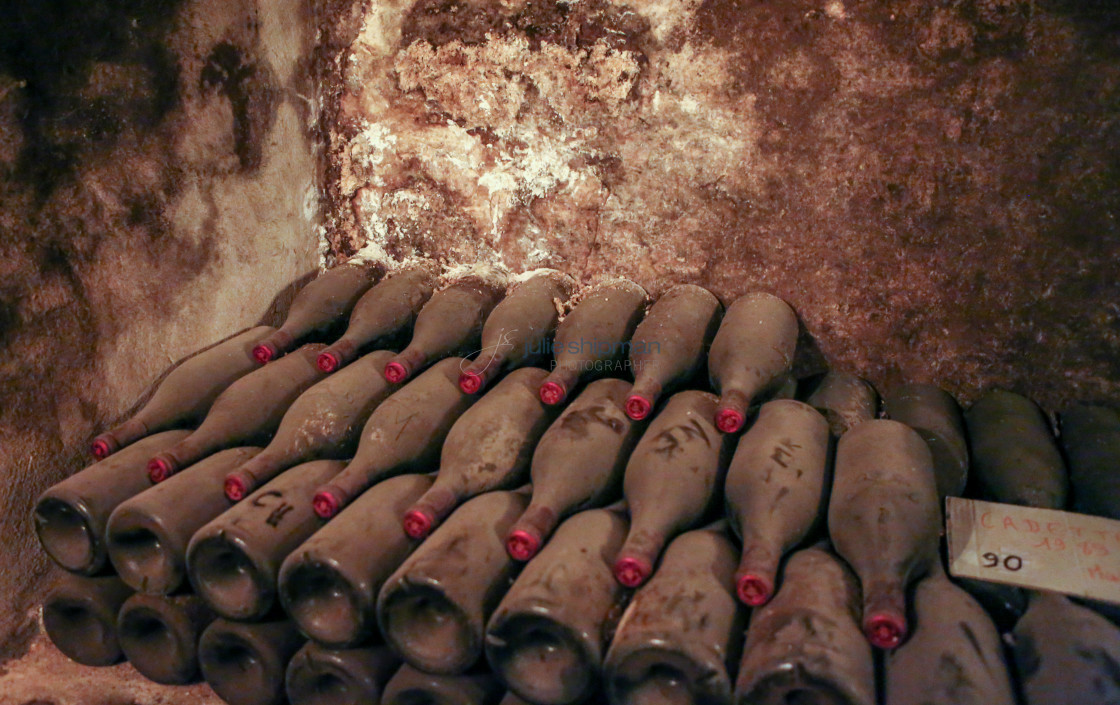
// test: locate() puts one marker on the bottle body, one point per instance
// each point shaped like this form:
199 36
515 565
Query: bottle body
434 608
845 400
80 617
545 638
245 662
186 394
404 434
410 686
488 448
234 560
383 312
1091 440
578 463
751 353
671 345
317 675
518 329
147 536
805 645
673 479
319 306
71 516
246 413
682 631
449 324
593 337
329 584
323 423
159 635
884 519
775 491
934 414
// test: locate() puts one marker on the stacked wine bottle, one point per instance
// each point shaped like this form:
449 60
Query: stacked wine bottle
469 495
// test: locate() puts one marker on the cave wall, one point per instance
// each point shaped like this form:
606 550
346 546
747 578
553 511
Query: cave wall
158 192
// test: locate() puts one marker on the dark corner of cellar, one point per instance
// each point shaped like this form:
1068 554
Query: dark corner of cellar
932 188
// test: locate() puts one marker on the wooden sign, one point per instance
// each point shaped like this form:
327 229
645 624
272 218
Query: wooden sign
1043 549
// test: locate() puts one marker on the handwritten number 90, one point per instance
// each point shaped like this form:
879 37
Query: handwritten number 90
1011 562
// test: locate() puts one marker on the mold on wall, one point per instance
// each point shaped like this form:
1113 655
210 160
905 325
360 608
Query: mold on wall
933 186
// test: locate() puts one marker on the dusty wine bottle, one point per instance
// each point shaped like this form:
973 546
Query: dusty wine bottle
80 617
433 609
775 491
682 631
845 400
934 414
518 330
246 413
884 520
488 448
449 324
329 584
578 463
233 561
952 631
383 312
185 395
751 353
71 517
413 687
671 345
805 645
319 306
593 338
672 481
404 434
1065 654
324 423
147 535
159 635
1091 440
1014 457
245 662
320 676
547 640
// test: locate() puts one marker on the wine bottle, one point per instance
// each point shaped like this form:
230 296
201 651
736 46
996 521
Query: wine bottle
71 517
404 434
518 330
433 609
234 560
382 313
671 345
80 617
318 307
147 535
245 662
578 463
934 414
329 584
159 635
672 480
414 687
776 491
488 448
884 519
324 423
952 631
845 400
1014 457
805 645
682 631
449 324
1091 440
593 337
751 353
247 413
545 640
321 676
186 393
1065 654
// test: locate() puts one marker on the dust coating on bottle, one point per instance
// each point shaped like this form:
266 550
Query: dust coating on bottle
80 617
159 636
318 675
410 686
934 414
245 662
845 400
